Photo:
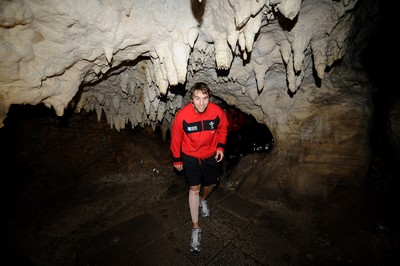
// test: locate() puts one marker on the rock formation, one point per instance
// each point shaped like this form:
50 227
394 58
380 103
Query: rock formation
294 65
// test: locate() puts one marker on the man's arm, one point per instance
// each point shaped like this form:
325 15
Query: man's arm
176 143
222 133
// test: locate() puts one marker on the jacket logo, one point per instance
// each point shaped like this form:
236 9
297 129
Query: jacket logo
193 128
211 125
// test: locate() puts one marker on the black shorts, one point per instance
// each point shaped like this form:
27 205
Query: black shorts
200 171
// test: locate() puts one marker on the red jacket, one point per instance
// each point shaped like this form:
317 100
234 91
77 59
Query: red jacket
198 135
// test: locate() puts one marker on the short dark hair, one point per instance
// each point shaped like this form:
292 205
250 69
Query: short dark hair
200 86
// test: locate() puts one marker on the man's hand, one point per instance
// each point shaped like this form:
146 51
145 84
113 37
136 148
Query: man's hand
179 167
219 156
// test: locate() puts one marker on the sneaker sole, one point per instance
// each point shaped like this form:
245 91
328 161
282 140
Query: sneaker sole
203 214
195 249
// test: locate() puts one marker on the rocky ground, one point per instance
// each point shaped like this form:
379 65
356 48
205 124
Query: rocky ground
66 179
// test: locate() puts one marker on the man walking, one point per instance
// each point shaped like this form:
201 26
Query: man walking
199 133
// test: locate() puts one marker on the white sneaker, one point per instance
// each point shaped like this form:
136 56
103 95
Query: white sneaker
195 244
204 209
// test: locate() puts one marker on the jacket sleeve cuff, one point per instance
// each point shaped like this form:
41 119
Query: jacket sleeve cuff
177 161
220 146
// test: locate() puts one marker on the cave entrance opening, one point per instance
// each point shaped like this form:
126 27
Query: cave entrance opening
245 136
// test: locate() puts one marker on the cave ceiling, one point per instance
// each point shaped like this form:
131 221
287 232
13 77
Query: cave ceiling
127 58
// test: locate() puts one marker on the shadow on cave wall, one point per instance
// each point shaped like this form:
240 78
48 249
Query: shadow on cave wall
383 181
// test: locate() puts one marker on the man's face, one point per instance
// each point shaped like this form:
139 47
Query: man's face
200 101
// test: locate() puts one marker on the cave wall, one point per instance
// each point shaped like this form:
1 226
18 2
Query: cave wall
319 142
291 64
